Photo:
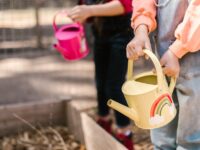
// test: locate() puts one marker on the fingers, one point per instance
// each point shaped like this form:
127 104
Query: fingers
170 72
79 13
170 64
76 9
163 62
139 51
130 53
75 13
134 51
137 44
166 69
74 17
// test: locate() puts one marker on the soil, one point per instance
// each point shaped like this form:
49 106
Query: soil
51 138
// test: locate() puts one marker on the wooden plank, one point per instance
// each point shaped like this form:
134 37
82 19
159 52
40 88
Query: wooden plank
83 105
43 113
29 110
73 110
38 30
96 138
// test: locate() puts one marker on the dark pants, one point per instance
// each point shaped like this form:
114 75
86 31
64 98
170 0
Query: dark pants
110 71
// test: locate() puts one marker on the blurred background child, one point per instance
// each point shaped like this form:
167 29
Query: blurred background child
112 32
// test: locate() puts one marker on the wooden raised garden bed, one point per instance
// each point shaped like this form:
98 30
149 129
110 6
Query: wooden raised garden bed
53 125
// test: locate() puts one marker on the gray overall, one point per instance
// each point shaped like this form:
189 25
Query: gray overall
183 133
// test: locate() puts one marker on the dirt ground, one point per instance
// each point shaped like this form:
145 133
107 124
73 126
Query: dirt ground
47 76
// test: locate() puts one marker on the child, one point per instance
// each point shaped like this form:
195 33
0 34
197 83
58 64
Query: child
178 32
112 32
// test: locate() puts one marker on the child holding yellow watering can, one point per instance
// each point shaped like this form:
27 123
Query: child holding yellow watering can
178 32
112 32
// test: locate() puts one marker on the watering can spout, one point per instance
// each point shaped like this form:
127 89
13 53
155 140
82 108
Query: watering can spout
60 49
129 112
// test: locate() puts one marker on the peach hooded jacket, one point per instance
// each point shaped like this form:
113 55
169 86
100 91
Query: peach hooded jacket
187 33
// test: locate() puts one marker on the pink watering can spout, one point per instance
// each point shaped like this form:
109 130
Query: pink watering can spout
71 40
56 46
60 49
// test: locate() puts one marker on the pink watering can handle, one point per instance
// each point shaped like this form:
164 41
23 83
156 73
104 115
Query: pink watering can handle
54 19
64 13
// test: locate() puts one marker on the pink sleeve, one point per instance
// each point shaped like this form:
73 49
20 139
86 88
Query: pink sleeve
144 12
127 5
188 32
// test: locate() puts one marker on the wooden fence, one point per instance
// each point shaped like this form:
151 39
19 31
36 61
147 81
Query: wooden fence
27 24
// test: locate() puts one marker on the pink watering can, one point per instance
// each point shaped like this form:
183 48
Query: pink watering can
71 40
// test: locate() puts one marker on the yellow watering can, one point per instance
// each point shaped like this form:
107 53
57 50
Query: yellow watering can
148 97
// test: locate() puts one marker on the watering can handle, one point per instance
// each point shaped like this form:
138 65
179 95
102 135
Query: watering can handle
172 84
154 60
55 27
158 68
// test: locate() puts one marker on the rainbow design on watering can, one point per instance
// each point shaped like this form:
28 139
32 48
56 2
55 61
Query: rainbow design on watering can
162 102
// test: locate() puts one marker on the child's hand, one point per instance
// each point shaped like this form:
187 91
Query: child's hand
170 63
141 41
80 13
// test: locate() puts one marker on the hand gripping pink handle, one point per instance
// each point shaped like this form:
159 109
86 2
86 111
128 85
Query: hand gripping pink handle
55 27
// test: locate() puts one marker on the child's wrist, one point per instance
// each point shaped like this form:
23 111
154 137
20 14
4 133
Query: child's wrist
91 11
141 29
174 55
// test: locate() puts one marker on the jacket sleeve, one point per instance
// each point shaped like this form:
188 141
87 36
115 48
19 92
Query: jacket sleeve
144 12
188 32
127 5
